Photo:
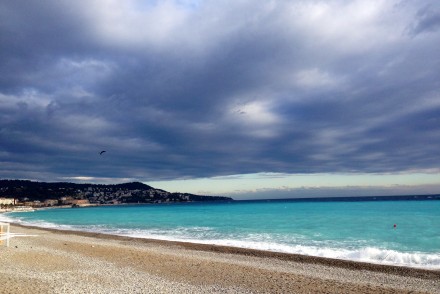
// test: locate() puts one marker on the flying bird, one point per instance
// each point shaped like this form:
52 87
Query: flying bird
100 153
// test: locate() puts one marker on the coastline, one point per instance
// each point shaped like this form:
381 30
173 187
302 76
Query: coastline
389 252
188 267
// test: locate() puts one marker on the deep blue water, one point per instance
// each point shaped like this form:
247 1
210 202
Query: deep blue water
354 230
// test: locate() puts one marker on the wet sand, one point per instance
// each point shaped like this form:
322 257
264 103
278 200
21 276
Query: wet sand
77 262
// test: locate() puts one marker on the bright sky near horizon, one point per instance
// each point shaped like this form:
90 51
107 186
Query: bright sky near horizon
272 185
252 99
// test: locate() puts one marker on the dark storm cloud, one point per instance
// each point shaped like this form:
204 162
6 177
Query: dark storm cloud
428 20
179 90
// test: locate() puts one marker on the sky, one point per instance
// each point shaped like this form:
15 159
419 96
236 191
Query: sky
249 99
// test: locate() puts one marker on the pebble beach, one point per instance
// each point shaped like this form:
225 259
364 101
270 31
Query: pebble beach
53 261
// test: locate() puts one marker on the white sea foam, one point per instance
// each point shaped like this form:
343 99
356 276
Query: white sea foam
35 223
5 218
364 254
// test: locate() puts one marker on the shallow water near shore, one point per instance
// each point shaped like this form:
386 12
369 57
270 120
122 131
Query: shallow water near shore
352 230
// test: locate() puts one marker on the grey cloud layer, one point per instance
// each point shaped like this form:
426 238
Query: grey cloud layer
193 89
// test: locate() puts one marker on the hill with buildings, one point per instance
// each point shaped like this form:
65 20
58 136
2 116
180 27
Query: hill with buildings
32 193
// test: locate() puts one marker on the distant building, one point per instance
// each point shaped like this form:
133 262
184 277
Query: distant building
66 200
35 203
50 202
80 202
7 201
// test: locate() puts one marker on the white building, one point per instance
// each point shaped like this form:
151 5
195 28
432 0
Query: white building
7 201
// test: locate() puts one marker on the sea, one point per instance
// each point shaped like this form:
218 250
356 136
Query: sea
394 231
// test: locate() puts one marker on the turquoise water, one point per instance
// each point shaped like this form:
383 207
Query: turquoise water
361 230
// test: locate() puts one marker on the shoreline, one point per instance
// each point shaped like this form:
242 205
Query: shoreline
55 260
341 263
348 263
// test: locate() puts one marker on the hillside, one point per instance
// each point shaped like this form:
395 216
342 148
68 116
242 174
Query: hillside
134 192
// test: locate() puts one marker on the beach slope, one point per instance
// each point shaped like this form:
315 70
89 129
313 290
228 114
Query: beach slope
74 262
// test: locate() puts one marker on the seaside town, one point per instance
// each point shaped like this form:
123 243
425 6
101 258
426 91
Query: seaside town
19 195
